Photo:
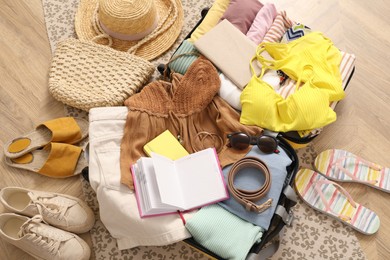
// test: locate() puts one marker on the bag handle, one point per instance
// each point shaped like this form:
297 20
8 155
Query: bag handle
267 251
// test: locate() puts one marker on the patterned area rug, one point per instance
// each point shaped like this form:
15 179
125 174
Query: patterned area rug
312 235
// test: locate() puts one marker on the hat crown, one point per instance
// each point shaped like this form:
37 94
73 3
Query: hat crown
128 17
92 16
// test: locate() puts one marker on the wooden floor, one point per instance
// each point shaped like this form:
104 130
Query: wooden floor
363 124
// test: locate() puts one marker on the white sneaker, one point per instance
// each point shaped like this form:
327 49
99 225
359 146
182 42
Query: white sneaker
63 211
41 240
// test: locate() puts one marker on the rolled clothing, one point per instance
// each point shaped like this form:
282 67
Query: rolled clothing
262 23
184 56
278 28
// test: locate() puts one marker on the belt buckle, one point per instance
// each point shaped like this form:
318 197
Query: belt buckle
263 207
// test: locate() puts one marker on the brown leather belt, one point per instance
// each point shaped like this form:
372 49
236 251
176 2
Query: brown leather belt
248 197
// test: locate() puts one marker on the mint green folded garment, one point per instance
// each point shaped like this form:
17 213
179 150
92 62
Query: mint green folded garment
223 233
188 54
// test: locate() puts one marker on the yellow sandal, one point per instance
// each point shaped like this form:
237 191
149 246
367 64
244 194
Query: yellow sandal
55 160
63 130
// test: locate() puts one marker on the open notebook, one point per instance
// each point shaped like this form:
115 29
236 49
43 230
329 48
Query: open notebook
165 186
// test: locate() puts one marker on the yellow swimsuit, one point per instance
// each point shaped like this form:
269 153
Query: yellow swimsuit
311 59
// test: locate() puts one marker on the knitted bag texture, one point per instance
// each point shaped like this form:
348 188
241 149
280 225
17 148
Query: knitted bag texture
85 75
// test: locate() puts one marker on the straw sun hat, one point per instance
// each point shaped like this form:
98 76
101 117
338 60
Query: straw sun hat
146 28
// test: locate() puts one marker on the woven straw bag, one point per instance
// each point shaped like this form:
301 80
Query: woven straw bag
85 74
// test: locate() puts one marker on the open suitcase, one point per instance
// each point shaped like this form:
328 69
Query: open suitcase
288 141
297 139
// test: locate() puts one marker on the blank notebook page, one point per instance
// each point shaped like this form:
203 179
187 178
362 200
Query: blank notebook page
201 182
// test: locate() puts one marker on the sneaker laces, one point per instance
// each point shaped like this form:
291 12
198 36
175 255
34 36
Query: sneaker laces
30 231
57 210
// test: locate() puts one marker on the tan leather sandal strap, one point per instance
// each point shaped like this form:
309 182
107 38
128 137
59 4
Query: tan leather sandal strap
64 130
62 160
248 197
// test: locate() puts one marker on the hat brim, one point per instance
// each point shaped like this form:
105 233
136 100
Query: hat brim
149 50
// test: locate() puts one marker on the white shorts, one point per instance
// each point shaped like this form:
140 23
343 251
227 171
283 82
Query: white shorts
117 203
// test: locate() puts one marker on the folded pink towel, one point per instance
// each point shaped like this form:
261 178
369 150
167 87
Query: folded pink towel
262 23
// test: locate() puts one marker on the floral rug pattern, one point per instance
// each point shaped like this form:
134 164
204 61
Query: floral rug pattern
312 234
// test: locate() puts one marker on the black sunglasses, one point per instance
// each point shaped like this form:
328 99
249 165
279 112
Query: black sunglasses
266 143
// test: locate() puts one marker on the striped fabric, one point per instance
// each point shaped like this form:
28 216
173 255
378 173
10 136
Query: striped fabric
295 32
184 56
361 170
359 217
280 25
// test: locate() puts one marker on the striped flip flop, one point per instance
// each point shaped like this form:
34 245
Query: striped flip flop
333 200
343 166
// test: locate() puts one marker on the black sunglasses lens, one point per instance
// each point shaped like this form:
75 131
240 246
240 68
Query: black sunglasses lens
239 141
267 144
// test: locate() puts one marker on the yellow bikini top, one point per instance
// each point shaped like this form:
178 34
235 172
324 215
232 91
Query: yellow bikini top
311 59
